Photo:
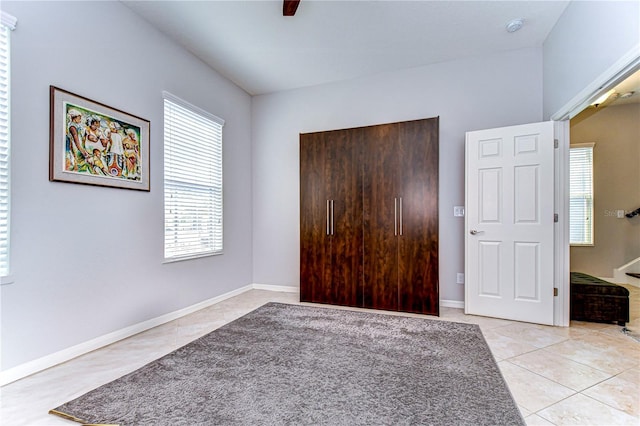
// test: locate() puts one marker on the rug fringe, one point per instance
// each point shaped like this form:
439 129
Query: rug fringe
75 419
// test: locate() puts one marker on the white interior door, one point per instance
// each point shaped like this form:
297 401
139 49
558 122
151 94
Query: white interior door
509 223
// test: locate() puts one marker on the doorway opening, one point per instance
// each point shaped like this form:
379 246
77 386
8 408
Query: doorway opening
612 127
604 231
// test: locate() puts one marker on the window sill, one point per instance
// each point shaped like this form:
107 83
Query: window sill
195 256
6 279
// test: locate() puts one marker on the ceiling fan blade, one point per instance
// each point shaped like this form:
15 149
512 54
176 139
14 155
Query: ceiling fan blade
289 7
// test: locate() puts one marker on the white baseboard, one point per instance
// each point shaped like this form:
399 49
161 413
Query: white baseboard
280 288
28 368
452 304
290 289
48 361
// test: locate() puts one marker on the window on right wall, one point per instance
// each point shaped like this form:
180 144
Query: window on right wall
581 194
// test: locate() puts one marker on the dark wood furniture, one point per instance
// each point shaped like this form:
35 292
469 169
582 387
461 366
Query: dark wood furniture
369 217
596 300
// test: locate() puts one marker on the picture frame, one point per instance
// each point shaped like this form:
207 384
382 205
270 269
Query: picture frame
94 144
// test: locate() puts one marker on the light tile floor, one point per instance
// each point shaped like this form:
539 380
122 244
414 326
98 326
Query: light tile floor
587 374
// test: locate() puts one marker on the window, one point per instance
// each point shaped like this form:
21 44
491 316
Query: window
7 23
581 194
192 181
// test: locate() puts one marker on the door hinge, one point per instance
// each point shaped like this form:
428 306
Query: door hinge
555 291
555 217
556 143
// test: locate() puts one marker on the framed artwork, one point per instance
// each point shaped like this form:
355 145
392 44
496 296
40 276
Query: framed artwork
94 144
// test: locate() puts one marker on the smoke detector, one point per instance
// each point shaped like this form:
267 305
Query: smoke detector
514 25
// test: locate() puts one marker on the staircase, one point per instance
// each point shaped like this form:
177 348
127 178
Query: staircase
628 273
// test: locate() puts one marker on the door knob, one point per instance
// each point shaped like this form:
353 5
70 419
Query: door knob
474 232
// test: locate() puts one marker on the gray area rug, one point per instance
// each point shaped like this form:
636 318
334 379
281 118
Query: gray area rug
298 365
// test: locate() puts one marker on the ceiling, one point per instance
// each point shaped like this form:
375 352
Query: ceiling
252 44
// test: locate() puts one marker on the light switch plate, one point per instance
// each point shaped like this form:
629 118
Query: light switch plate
460 278
458 211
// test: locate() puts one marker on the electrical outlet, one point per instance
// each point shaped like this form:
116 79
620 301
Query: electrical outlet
458 211
460 278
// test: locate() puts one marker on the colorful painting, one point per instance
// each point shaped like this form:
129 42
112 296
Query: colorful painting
95 144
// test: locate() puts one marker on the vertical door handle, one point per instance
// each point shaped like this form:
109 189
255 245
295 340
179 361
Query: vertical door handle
401 220
395 216
328 219
332 217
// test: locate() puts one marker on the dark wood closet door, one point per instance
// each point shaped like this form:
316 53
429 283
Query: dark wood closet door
331 218
345 194
418 244
381 167
315 259
369 217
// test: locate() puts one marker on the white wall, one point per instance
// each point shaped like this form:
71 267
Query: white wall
88 260
589 37
492 91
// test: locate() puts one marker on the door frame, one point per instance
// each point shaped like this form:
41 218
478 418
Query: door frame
616 73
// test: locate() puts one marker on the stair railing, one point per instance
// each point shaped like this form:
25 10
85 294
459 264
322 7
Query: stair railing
636 212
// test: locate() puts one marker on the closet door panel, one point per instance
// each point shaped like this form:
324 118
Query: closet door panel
314 242
418 244
380 175
345 193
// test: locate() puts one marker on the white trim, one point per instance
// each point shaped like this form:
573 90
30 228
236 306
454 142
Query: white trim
582 145
561 228
168 260
279 288
628 264
7 20
452 304
617 72
48 361
28 368
31 367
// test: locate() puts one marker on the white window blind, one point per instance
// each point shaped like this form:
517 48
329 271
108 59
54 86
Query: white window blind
192 181
581 194
7 23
